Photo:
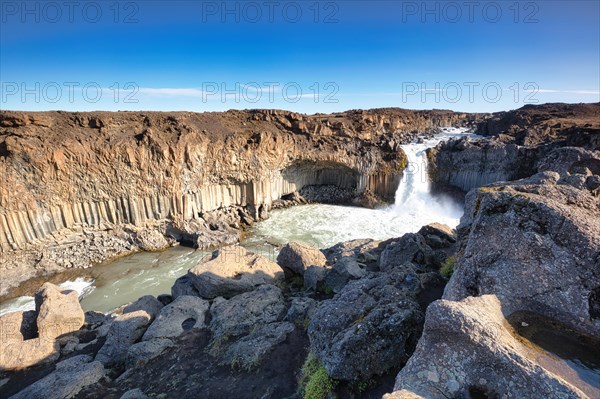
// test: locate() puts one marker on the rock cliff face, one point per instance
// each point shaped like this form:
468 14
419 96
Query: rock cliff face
78 188
518 141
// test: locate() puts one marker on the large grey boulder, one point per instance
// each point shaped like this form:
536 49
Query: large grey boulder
124 331
534 246
313 276
185 313
250 351
141 353
147 303
240 314
184 285
567 161
408 248
69 377
368 327
438 235
58 311
467 347
296 257
232 270
344 270
301 310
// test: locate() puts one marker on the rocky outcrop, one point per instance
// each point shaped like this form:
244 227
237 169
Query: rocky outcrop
59 312
238 315
233 270
124 331
344 270
537 247
79 188
183 314
529 253
467 164
557 124
468 350
518 142
368 327
296 257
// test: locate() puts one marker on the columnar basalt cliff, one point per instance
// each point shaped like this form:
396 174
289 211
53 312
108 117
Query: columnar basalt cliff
78 188
517 142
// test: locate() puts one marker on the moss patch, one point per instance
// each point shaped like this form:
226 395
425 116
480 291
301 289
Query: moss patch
448 267
315 383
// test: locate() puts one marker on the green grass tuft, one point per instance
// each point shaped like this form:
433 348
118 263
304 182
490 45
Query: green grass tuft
447 268
315 382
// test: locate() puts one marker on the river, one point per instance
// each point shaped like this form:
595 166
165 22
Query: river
107 286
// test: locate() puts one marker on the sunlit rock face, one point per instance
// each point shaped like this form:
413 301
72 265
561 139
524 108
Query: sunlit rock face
516 144
79 188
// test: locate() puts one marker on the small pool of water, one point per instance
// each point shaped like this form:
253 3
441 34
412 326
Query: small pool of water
569 354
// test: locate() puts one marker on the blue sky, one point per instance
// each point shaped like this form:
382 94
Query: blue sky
305 56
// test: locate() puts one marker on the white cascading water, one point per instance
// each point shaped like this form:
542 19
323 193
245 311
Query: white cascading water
129 278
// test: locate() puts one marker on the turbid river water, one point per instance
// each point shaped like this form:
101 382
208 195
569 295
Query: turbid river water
105 287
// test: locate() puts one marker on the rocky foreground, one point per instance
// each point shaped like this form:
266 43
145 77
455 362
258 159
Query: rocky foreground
506 306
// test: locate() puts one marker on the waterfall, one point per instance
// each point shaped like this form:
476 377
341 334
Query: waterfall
413 196
415 181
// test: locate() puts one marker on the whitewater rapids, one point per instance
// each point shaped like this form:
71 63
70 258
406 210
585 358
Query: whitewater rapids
106 287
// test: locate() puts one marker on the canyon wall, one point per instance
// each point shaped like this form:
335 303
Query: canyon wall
516 142
67 177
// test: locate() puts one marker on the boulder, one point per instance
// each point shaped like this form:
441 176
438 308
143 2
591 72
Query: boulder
147 303
94 319
368 328
469 349
438 235
534 246
58 311
296 257
240 314
183 314
184 286
570 160
141 353
364 250
408 248
16 352
313 275
249 352
152 240
232 270
124 331
69 377
300 311
344 270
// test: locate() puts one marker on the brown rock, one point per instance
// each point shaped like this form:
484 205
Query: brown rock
233 270
17 353
296 257
59 312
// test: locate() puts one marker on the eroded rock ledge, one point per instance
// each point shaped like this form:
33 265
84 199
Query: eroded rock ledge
78 188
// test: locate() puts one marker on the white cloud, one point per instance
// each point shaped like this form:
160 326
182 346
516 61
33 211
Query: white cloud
171 92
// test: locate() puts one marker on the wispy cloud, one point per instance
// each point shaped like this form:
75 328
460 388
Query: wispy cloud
171 92
563 91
